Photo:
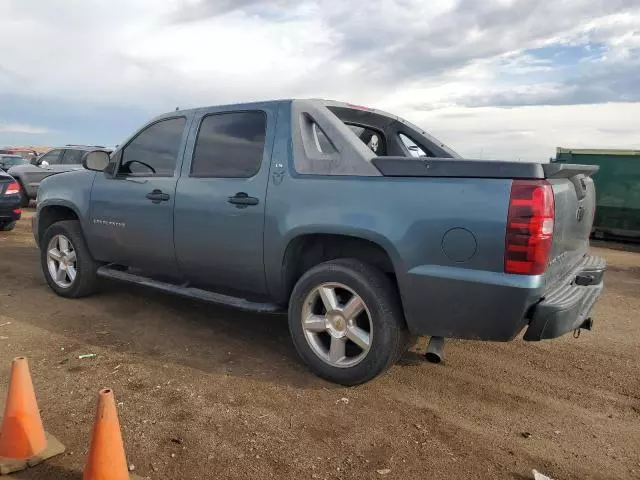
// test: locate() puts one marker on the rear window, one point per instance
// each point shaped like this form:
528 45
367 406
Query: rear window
388 135
371 138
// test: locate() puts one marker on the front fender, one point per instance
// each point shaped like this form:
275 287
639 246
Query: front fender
70 190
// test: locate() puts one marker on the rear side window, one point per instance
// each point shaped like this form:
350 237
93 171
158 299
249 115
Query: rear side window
72 157
229 145
154 152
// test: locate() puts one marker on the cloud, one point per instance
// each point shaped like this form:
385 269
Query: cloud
110 65
532 133
194 11
22 128
610 83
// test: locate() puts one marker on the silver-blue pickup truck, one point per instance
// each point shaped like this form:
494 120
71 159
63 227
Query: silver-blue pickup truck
366 228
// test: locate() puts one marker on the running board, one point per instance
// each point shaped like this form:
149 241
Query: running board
190 292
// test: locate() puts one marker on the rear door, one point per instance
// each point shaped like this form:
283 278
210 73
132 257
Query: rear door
220 200
132 211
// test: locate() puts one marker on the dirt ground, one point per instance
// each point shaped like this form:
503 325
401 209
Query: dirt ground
208 392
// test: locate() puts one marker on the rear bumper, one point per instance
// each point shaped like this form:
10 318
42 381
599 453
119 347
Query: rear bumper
568 306
481 305
10 208
471 304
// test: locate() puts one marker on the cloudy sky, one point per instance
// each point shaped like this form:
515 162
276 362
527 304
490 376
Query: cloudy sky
492 78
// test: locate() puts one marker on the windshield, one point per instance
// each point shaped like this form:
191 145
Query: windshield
10 160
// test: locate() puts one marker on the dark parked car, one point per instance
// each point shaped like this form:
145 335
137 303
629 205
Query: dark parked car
57 160
9 202
26 153
367 229
9 160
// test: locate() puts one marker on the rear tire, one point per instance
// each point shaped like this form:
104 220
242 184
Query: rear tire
7 226
379 332
73 275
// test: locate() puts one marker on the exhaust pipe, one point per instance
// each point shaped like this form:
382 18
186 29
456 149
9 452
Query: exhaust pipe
587 324
435 350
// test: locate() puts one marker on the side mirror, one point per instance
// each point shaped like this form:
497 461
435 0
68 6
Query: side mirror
44 164
96 160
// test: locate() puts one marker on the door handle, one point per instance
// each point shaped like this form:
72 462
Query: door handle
242 200
157 196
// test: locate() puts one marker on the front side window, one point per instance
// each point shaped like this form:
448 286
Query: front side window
154 152
229 145
52 157
72 157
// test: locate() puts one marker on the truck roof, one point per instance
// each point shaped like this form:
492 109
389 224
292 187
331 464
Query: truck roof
316 101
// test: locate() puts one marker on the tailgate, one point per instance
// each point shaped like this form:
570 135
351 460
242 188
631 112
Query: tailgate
575 203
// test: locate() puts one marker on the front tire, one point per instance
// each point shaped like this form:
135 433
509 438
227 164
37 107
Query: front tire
66 262
346 321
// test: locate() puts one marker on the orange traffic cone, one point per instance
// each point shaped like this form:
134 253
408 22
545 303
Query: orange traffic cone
107 460
23 441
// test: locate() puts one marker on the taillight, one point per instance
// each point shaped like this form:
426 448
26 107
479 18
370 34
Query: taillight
12 189
529 227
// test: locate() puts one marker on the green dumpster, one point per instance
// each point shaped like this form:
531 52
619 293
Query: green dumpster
617 188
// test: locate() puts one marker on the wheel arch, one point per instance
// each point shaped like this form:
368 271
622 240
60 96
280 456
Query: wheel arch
308 249
53 213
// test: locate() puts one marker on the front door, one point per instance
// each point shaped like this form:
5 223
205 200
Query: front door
33 175
132 211
220 200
